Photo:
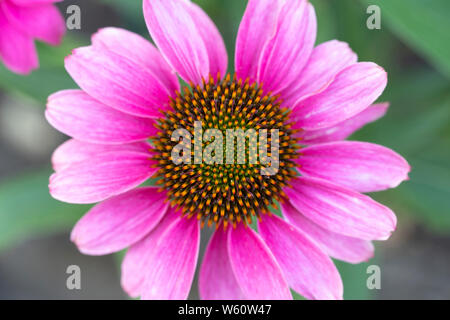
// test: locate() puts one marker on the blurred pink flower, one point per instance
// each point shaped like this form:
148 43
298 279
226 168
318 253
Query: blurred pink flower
128 86
23 21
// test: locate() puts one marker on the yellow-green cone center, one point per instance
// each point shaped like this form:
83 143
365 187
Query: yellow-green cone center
210 182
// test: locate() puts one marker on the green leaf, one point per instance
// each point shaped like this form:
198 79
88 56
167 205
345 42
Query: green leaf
28 210
354 277
326 26
428 191
424 25
297 296
409 132
131 13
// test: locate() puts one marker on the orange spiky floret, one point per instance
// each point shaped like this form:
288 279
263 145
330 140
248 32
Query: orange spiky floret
225 193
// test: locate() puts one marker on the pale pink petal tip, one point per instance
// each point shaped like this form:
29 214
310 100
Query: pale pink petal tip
352 90
43 22
257 272
361 166
119 222
138 49
73 151
344 129
326 60
80 116
101 177
287 52
139 256
338 246
274 42
194 50
170 267
17 49
341 210
215 269
308 269
119 81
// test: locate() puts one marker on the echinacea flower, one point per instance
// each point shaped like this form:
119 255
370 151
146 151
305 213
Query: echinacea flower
23 21
130 103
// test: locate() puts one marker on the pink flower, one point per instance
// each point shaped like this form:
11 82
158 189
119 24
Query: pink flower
23 21
129 93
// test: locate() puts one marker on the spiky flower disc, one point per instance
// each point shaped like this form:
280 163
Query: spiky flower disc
231 193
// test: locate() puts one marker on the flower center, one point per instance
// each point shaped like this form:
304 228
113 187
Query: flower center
225 151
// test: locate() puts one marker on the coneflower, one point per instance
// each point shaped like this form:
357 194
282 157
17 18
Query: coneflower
131 121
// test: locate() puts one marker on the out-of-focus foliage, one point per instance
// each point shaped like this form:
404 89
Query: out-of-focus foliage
27 210
50 77
413 45
131 11
424 25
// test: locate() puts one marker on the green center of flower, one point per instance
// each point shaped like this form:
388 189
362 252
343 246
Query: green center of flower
225 151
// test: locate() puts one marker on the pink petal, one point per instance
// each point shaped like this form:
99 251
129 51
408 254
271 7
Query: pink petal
118 222
43 22
341 247
186 37
326 60
74 151
258 25
341 210
216 280
117 81
257 272
171 267
287 52
78 115
215 46
352 90
136 262
308 270
17 50
134 47
345 128
101 177
360 166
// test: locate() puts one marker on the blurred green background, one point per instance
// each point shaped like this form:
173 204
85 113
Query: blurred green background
413 45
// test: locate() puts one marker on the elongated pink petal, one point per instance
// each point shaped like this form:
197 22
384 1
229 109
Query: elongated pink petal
338 246
139 257
361 166
74 151
341 210
78 115
101 177
171 267
43 22
186 37
134 47
326 60
118 222
285 55
345 128
215 46
117 81
17 50
257 272
258 25
308 270
352 90
216 280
